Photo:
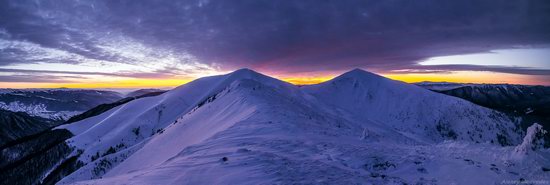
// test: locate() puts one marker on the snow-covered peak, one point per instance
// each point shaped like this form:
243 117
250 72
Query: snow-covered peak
131 125
360 74
217 83
414 110
361 81
246 73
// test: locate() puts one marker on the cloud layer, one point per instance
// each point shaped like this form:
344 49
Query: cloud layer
184 38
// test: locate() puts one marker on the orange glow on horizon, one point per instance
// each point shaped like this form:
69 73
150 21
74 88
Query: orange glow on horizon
307 81
124 83
470 77
458 77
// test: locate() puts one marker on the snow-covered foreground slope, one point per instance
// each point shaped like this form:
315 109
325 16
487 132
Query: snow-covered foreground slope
246 128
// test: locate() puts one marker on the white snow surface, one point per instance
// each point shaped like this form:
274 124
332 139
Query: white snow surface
433 117
532 140
247 128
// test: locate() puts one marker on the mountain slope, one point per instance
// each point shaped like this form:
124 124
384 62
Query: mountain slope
33 159
531 103
247 109
129 124
108 106
141 92
16 125
414 110
532 100
246 128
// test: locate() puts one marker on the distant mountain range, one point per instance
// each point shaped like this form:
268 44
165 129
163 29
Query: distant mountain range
58 105
54 104
532 103
248 128
141 92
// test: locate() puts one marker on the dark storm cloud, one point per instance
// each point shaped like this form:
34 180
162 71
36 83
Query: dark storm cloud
289 36
29 22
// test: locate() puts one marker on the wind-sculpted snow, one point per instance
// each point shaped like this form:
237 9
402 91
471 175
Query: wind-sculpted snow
247 128
532 141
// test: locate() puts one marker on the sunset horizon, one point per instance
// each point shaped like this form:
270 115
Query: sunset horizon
110 45
207 92
461 77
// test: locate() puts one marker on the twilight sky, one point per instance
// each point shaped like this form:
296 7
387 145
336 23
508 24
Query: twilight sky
154 43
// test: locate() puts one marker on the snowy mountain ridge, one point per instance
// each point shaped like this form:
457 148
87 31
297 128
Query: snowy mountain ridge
248 128
409 108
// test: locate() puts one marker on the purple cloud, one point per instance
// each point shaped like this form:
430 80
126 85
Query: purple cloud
289 36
